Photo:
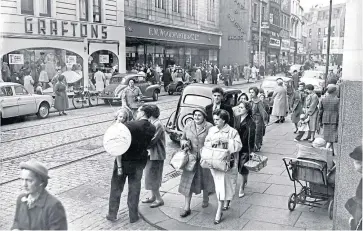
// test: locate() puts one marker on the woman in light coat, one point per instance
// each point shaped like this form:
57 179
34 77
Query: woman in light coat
61 97
200 179
280 106
29 83
226 137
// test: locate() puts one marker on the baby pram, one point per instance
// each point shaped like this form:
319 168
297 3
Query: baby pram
313 170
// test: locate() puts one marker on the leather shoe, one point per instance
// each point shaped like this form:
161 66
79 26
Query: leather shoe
111 218
205 204
133 220
156 204
148 200
185 213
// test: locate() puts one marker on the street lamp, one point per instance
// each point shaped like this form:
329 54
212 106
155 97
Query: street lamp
259 36
328 48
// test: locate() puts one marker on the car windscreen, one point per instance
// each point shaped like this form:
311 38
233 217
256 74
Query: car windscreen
197 100
117 79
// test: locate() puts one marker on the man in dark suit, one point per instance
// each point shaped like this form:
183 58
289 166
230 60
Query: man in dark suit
133 163
214 74
217 104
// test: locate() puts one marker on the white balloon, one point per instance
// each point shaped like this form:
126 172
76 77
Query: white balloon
117 139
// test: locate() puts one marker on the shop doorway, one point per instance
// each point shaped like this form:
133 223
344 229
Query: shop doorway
104 61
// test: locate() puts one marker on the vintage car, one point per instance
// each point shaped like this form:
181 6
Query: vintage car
16 101
118 82
194 95
315 78
269 84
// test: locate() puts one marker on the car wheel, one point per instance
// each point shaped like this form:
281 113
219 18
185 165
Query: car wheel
43 111
155 95
108 101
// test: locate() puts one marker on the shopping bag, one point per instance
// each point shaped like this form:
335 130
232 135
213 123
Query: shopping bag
179 159
215 158
192 161
256 163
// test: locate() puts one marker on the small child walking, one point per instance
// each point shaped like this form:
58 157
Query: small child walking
302 127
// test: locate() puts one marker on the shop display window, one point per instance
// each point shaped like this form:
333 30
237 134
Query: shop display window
103 60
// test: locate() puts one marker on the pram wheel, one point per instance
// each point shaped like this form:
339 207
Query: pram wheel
330 209
292 202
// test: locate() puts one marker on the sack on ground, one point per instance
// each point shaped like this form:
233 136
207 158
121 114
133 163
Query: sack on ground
215 158
256 163
179 160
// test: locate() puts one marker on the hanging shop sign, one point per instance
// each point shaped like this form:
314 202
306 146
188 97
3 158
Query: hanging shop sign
54 27
16 59
104 58
235 37
71 59
235 23
274 42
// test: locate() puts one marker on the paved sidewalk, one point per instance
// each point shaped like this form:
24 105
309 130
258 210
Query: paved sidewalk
264 206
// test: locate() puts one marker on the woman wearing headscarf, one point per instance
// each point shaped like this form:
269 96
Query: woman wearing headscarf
36 208
280 105
225 137
61 97
246 128
155 162
259 115
199 179
329 116
311 109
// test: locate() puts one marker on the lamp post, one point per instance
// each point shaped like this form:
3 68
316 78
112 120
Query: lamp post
259 36
328 48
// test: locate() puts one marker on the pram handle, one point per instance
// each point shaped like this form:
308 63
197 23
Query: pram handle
305 161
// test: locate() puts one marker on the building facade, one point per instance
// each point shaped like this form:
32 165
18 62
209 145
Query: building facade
275 28
285 32
167 32
296 40
234 24
67 35
317 27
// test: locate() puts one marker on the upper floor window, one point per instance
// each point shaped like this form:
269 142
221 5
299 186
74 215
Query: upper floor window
96 10
309 33
190 7
333 31
319 32
27 7
263 13
44 8
83 10
210 10
319 46
160 4
336 13
325 31
175 6
320 15
254 11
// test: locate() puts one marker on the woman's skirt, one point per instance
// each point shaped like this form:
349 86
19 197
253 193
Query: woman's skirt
225 183
313 122
330 132
243 158
153 174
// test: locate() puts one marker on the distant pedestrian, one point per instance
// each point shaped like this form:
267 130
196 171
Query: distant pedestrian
133 163
214 73
280 105
199 179
236 72
246 128
204 74
36 208
131 96
198 75
329 117
224 137
43 76
247 72
311 109
155 160
5 72
262 71
167 79
61 97
297 105
266 105
254 73
295 80
100 80
354 204
28 83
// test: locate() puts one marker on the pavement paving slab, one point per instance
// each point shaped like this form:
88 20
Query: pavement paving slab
260 225
310 220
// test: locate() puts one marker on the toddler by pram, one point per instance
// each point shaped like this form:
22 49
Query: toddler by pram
313 170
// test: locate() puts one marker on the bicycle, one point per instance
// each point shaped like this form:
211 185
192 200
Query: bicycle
83 98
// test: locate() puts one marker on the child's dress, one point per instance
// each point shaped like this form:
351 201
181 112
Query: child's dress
303 127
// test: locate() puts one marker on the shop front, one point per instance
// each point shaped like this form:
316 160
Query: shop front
274 48
45 48
285 50
151 44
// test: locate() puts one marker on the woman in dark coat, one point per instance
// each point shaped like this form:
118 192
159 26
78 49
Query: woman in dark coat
37 209
200 179
61 98
167 79
246 129
297 104
329 116
311 109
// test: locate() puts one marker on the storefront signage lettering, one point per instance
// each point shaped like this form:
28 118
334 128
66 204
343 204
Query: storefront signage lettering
64 28
159 32
239 4
274 42
235 37
16 59
104 58
236 24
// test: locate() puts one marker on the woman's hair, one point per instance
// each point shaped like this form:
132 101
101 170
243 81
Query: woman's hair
61 78
217 90
243 94
132 80
123 111
155 111
255 89
147 109
223 114
309 87
248 107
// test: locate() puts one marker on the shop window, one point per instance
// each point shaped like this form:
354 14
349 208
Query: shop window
45 8
191 7
83 10
160 4
176 6
27 7
96 10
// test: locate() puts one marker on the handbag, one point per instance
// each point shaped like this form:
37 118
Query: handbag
192 161
256 163
215 158
179 159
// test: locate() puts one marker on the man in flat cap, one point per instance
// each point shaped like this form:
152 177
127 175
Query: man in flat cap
354 204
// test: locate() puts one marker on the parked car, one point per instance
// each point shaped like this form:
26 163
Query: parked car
119 82
16 101
316 78
194 95
269 84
